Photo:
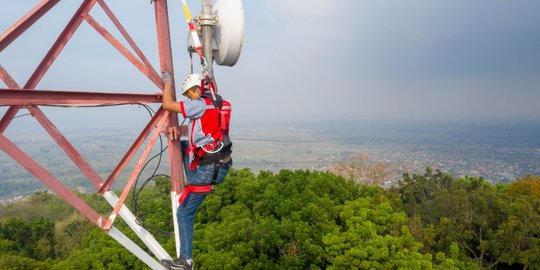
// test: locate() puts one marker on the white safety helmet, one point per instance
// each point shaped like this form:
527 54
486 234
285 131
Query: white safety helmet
191 80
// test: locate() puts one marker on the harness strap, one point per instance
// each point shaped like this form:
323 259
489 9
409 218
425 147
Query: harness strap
192 30
223 119
217 166
195 189
208 82
199 152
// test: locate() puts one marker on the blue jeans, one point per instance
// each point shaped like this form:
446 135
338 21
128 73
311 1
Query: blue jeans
186 211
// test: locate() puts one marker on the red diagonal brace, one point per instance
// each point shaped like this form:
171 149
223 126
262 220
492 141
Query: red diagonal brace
136 172
25 22
56 135
8 80
153 75
132 150
47 61
60 43
123 50
68 148
39 172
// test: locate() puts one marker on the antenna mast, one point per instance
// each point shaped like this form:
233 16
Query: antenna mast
207 21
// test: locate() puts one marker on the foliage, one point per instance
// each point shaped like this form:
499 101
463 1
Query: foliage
34 239
519 235
492 226
302 220
298 220
13 262
373 236
70 232
40 205
48 234
99 251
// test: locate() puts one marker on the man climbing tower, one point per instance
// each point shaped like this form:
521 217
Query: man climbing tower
206 155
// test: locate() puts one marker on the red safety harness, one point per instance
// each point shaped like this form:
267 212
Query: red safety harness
210 126
220 133
194 189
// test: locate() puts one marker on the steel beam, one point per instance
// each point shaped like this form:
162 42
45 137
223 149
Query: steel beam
48 179
134 248
132 150
60 43
11 83
143 234
136 171
68 148
123 50
153 75
27 97
8 80
25 22
166 65
49 58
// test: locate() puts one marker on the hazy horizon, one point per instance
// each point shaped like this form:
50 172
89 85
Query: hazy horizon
495 151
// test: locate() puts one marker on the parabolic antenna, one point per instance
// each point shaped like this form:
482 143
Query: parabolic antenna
228 31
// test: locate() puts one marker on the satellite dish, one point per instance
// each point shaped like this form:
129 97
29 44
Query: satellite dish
228 31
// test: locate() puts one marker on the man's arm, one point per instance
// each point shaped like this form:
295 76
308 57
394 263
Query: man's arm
169 103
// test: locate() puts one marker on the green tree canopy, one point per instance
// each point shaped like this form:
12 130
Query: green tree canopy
494 226
302 220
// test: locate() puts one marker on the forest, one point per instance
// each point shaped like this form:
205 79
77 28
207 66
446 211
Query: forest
299 220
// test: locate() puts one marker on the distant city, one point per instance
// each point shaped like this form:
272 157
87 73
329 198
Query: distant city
498 152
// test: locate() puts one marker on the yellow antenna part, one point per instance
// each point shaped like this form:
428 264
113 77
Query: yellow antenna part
186 11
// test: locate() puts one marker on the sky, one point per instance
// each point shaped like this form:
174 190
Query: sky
311 60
